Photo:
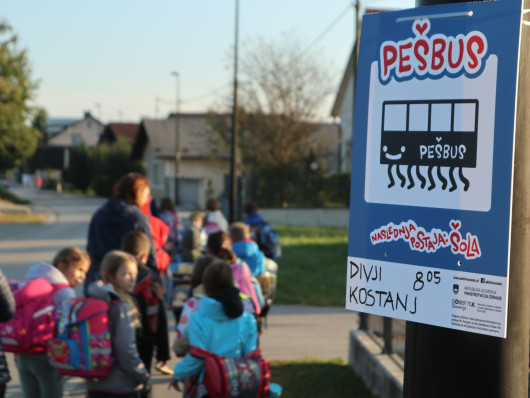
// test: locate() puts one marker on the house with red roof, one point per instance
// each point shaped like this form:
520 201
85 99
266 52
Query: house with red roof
119 131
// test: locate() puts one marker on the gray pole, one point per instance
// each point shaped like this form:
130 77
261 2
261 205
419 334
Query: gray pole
233 159
442 362
177 139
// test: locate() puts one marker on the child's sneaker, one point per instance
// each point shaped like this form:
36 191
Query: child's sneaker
162 368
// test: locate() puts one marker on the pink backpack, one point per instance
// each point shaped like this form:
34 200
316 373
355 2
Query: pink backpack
82 346
243 279
33 325
210 227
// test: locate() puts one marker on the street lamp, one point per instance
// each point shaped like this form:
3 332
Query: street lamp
177 138
233 157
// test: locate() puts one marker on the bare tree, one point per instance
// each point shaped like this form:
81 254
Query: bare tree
281 91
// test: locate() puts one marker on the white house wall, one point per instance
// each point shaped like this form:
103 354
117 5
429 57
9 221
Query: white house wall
212 171
209 173
87 130
346 124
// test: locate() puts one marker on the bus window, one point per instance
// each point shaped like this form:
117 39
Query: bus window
395 117
419 117
441 117
462 121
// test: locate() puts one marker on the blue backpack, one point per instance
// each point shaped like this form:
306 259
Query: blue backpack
267 239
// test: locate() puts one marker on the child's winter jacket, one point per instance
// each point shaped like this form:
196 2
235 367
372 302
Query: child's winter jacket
210 328
249 252
108 226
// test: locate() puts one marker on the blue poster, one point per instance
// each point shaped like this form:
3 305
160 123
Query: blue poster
432 162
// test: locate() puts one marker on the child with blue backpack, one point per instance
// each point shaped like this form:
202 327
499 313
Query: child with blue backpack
220 326
129 377
37 377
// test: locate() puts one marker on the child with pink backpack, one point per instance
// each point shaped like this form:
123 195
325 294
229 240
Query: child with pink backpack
220 245
37 377
128 378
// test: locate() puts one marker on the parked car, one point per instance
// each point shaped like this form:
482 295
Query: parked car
4 181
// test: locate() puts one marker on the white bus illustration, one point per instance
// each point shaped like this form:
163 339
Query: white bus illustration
431 133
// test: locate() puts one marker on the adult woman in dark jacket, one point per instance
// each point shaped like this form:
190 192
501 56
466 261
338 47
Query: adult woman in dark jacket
7 310
115 218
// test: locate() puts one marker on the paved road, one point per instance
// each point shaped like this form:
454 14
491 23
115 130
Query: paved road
23 245
293 331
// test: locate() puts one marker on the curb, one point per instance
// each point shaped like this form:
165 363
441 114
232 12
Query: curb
383 374
15 209
51 215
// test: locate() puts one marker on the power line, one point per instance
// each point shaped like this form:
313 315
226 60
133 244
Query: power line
209 93
327 29
197 97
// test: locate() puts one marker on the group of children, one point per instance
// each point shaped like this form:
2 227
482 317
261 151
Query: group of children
220 316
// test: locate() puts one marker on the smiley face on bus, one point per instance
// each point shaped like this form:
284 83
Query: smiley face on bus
395 157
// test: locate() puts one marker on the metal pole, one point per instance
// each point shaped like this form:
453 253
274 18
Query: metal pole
177 138
357 16
387 335
233 159
442 362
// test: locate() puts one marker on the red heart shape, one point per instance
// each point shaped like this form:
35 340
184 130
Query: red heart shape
455 225
420 28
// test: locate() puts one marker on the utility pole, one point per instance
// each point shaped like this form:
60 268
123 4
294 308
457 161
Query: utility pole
177 139
441 362
357 17
233 159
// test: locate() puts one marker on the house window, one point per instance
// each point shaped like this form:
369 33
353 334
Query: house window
158 174
76 139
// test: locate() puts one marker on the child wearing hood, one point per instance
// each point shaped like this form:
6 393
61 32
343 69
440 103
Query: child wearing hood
246 249
129 375
220 325
37 377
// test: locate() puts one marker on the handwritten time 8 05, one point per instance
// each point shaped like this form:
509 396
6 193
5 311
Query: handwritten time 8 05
431 277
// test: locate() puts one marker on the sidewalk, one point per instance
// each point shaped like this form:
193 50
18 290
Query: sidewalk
293 332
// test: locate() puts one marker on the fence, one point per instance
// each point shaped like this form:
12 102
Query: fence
390 330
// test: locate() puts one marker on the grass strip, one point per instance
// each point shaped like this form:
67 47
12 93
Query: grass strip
309 377
7 195
22 218
312 269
